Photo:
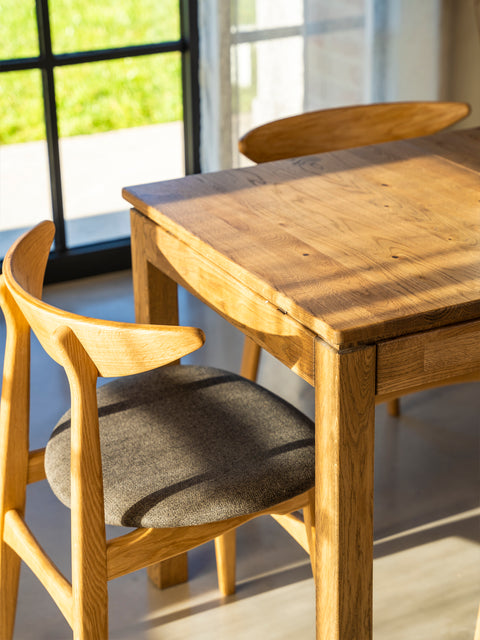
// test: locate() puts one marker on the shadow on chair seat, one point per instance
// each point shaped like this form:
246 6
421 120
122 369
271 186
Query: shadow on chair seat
186 445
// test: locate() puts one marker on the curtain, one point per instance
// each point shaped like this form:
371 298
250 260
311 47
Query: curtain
265 59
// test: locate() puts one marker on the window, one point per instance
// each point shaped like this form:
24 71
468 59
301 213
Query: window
93 97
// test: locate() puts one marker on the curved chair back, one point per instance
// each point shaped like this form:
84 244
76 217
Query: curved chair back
348 127
115 348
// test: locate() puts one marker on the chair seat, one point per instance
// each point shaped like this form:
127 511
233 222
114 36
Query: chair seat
187 445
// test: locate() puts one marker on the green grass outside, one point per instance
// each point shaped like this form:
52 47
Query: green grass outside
92 97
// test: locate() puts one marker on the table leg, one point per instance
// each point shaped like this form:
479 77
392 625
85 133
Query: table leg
155 294
345 421
155 297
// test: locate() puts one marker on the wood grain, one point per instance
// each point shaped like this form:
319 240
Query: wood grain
170 572
155 293
19 537
225 554
347 127
144 547
360 247
270 326
295 526
250 359
310 527
68 338
426 359
356 245
116 348
36 466
344 491
14 423
89 550
156 302
342 128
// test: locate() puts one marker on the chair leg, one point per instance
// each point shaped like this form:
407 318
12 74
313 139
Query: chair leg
89 585
225 552
90 627
169 572
393 407
9 577
250 359
14 423
309 519
225 545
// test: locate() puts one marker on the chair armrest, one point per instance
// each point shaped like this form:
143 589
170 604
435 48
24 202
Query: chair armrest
119 349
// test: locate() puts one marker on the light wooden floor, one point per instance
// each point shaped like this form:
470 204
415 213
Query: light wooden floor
427 516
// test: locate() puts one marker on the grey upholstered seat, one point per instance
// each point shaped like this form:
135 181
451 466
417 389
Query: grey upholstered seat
187 445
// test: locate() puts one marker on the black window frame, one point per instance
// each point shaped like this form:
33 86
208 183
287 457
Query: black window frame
67 263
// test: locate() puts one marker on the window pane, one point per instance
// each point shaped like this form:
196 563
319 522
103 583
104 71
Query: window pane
21 108
264 89
80 25
243 12
118 94
266 14
24 183
323 63
141 99
18 29
336 53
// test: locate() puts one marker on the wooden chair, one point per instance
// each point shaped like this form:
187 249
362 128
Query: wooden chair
342 128
183 453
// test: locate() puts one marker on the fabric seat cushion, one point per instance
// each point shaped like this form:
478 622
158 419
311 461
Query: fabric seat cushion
186 445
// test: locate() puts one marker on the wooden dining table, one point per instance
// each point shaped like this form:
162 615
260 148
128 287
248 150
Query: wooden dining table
359 270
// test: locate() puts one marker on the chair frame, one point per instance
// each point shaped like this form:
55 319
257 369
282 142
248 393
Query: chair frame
86 349
347 127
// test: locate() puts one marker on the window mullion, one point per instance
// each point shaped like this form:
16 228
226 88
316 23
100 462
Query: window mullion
190 87
51 123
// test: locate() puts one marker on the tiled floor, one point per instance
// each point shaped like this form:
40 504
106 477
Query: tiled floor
427 516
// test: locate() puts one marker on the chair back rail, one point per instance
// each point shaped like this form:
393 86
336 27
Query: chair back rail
348 127
116 348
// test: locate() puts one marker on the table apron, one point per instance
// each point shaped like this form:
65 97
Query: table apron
273 329
442 356
410 363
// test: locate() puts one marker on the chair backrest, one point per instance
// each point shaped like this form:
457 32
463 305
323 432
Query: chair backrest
115 348
348 127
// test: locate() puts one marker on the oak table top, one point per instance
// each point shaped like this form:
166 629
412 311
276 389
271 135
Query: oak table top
358 245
